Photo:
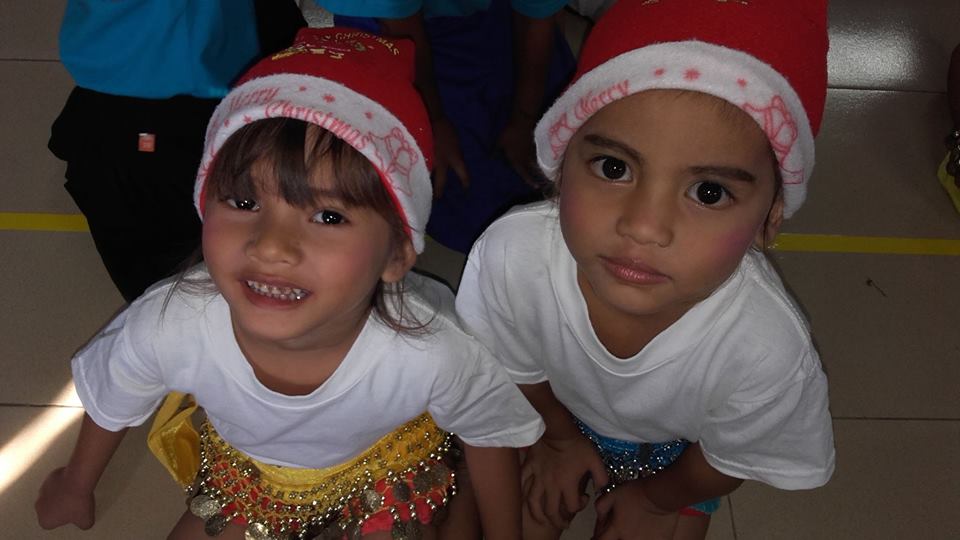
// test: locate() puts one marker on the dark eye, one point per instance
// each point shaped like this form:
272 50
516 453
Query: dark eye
610 168
328 217
243 204
709 194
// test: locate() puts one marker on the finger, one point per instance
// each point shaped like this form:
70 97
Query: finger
553 509
535 503
598 473
603 505
439 180
572 499
460 168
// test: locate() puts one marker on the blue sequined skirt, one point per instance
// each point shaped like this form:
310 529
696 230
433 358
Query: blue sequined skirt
626 460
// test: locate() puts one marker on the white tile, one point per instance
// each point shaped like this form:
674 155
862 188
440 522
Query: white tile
31 96
886 329
58 295
892 44
29 29
877 156
894 480
136 498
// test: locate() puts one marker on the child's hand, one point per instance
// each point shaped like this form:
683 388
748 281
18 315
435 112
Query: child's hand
60 503
627 513
446 156
554 478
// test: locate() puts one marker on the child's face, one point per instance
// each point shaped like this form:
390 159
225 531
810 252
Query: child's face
661 195
298 277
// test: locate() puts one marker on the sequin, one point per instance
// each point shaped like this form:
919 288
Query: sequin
257 531
370 501
626 460
204 506
215 524
401 491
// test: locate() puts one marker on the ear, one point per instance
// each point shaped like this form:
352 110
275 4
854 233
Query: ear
768 231
400 264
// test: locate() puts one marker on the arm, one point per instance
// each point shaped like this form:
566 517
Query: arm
556 467
532 44
494 473
447 153
651 504
66 496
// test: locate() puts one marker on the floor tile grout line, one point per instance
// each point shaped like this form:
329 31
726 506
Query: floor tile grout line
888 90
896 419
40 406
32 60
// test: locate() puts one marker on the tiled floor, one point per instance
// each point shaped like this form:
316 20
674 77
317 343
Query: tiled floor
886 324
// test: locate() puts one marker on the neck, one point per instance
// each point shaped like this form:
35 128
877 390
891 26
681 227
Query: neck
298 367
624 335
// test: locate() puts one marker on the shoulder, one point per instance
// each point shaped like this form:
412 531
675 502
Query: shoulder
176 307
764 330
520 232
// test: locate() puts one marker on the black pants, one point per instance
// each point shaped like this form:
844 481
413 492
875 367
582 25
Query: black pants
139 204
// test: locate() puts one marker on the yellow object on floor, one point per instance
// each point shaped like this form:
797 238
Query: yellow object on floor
949 183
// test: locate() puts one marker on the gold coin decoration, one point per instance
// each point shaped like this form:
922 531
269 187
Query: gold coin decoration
257 531
282 503
204 506
215 524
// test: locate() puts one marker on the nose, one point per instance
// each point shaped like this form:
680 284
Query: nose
647 217
275 239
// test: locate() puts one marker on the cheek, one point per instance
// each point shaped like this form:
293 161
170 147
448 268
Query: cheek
216 239
726 250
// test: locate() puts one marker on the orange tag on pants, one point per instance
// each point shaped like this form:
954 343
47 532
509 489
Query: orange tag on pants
147 142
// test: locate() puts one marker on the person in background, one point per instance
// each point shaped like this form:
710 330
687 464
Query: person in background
486 70
949 172
148 75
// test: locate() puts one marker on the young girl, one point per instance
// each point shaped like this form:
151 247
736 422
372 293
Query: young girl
637 311
328 375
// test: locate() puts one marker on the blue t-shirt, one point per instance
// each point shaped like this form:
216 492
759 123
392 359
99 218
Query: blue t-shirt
158 48
395 9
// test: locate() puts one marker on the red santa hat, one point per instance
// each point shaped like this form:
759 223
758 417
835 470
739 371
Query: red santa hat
766 57
355 85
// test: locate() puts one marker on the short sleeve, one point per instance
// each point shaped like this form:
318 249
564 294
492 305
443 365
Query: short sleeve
538 9
475 399
483 305
783 437
116 376
386 9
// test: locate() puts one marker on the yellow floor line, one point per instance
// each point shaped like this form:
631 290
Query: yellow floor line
12 221
823 243
827 243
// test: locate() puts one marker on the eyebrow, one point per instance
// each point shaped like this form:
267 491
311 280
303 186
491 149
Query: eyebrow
731 173
604 142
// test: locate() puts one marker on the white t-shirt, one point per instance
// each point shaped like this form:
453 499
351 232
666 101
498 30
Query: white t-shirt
386 379
737 372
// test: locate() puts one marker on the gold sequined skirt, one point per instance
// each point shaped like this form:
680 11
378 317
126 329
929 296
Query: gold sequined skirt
396 485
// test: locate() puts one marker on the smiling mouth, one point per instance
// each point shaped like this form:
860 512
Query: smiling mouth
290 294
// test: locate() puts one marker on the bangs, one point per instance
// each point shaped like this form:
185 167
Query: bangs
287 158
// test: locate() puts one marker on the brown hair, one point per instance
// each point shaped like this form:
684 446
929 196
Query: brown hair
293 151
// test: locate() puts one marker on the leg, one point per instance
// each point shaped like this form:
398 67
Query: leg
461 520
691 527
